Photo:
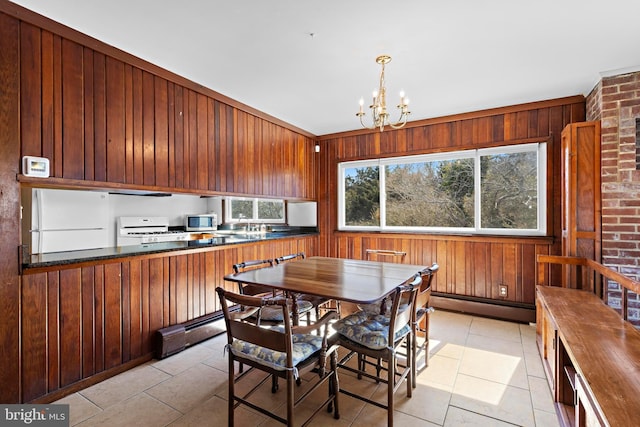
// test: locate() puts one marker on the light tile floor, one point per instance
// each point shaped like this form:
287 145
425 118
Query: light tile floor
482 372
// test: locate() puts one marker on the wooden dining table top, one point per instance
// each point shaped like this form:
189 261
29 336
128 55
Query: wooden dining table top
351 280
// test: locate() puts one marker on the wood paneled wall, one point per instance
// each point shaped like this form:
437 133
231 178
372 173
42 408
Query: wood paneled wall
107 119
85 320
101 119
9 211
472 266
468 266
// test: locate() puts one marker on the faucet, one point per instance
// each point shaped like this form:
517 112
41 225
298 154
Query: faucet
248 222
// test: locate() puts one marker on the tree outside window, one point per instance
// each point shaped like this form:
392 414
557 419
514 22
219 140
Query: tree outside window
486 191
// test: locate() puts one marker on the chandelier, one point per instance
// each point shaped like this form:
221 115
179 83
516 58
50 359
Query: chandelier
379 107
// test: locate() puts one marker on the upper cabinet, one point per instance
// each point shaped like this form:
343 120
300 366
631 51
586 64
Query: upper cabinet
103 119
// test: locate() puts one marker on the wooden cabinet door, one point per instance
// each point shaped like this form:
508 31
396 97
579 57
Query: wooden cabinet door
581 197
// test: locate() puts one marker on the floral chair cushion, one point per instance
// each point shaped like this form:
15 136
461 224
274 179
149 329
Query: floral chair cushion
304 346
368 329
273 313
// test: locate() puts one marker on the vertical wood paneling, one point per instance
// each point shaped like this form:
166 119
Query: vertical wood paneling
100 117
135 307
126 312
112 315
186 149
89 119
87 322
53 331
466 268
30 91
166 286
178 121
138 126
181 303
192 141
34 338
148 129
212 129
202 161
57 166
10 389
156 294
129 164
72 111
116 149
161 121
99 316
171 111
145 305
70 326
47 94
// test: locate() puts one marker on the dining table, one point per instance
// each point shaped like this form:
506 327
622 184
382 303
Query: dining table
351 280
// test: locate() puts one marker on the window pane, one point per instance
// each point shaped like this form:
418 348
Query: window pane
430 194
509 191
270 209
242 209
362 196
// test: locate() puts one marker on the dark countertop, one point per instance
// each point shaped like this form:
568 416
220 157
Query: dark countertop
73 257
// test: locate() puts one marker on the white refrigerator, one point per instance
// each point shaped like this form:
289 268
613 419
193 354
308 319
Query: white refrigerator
66 220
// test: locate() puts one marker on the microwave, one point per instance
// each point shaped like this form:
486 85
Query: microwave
204 222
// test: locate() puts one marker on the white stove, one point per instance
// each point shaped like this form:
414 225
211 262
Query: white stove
137 230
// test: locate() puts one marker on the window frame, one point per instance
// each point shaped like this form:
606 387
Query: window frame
255 201
540 148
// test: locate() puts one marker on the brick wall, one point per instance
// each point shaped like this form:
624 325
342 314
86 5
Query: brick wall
616 102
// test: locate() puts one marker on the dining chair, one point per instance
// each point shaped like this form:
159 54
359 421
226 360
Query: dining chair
268 314
284 351
379 336
318 303
420 321
382 255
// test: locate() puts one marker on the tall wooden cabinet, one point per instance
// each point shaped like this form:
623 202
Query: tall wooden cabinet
581 196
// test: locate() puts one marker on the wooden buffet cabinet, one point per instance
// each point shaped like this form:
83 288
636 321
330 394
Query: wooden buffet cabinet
590 353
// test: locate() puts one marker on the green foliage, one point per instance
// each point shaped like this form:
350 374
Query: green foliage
362 197
441 193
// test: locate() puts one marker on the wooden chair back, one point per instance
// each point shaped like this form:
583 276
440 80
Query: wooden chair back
241 326
290 257
249 289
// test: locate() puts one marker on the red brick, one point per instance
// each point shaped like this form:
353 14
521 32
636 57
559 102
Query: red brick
623 245
622 261
630 86
625 175
627 145
620 229
630 202
630 220
618 80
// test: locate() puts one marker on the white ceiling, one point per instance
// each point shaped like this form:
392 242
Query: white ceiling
309 62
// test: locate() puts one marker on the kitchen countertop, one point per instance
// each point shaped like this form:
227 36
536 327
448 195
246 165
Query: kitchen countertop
73 257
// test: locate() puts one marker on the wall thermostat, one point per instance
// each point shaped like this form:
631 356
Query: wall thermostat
35 166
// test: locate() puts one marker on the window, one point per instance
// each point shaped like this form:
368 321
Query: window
489 191
258 210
